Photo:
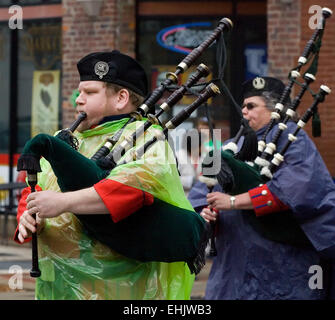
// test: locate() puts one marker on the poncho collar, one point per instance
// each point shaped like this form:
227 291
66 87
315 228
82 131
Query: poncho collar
106 125
114 118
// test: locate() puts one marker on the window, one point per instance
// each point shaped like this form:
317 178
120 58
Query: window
39 53
33 52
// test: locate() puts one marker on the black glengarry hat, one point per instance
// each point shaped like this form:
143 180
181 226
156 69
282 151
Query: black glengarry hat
114 67
258 85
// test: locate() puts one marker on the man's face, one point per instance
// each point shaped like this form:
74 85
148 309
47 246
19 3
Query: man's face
255 111
94 100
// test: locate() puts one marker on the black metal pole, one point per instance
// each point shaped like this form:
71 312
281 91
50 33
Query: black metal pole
12 149
235 64
13 84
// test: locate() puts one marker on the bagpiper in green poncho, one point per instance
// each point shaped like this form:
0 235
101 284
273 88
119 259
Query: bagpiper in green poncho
76 266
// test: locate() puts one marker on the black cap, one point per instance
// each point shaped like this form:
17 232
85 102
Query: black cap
258 85
114 67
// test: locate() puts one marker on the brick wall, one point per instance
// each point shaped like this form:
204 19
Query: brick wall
288 33
283 26
114 28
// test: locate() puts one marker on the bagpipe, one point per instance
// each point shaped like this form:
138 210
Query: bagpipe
159 232
236 176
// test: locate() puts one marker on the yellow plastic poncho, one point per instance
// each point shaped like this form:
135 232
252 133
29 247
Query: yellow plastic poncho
75 266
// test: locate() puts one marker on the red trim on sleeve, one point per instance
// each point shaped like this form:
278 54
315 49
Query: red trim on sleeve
122 200
265 202
22 207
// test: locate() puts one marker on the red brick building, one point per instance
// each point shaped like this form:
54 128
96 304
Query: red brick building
280 26
288 33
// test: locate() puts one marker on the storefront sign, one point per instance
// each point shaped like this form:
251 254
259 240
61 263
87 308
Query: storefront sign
183 38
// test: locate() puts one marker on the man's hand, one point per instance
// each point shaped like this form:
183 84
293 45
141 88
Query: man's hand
28 225
219 200
46 204
209 214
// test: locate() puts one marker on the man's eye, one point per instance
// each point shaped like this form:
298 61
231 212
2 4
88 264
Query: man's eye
250 106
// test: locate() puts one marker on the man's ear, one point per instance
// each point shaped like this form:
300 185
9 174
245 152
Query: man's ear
122 99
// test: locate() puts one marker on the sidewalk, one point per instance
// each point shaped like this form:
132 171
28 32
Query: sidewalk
11 256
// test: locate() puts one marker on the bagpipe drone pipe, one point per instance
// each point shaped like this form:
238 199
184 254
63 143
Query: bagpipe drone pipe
146 234
311 50
237 176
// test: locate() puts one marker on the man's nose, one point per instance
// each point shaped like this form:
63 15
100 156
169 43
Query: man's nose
80 99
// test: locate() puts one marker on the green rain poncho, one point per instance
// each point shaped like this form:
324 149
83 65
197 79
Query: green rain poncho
75 266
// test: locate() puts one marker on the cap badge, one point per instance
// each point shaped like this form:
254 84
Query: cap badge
101 68
258 83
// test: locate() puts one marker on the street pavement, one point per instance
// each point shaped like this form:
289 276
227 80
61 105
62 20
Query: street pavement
13 258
